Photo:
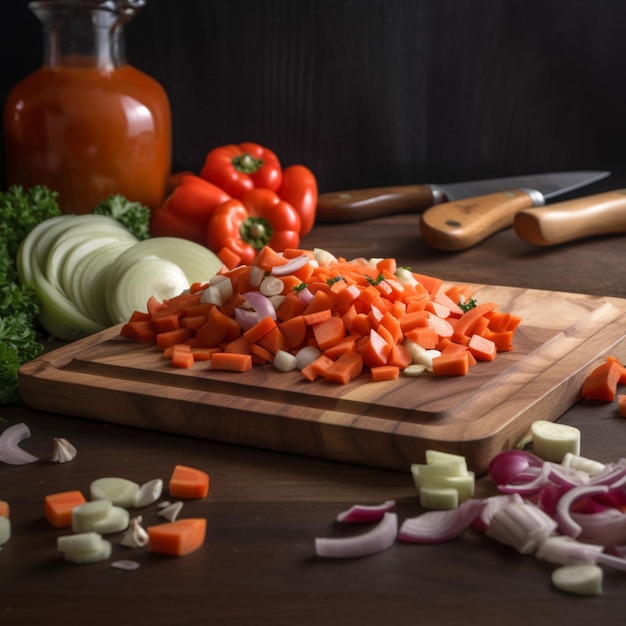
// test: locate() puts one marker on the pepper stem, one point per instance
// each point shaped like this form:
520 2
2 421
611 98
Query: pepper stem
256 231
246 163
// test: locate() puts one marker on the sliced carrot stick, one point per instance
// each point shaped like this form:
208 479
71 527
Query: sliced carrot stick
384 372
229 258
601 383
193 321
399 356
294 331
273 341
139 316
336 350
177 538
373 349
203 354
59 506
426 337
240 346
231 361
260 329
188 482
463 326
140 330
267 258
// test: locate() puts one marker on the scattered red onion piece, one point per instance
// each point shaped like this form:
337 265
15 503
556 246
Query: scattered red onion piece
379 538
606 527
533 486
362 513
246 318
492 504
306 295
440 526
10 451
507 465
563 508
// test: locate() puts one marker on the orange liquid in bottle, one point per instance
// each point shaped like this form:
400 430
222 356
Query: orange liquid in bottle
88 133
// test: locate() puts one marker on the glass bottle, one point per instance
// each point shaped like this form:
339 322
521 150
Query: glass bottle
86 123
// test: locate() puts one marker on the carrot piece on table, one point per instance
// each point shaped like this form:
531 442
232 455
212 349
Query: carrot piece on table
483 349
273 341
384 372
399 356
373 349
139 316
445 300
231 362
260 329
622 378
58 507
317 367
441 326
425 336
601 383
203 354
4 508
239 346
452 364
192 321
188 482
315 317
267 258
621 404
294 330
463 325
336 350
348 366
290 307
177 538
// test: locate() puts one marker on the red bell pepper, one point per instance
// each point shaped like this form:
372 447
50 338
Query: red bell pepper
187 210
237 169
299 188
258 219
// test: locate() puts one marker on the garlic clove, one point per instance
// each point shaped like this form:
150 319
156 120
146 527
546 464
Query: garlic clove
171 512
63 451
149 493
136 536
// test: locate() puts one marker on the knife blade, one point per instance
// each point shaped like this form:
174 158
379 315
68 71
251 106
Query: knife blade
599 214
461 224
363 204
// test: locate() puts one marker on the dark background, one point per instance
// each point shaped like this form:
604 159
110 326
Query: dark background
378 92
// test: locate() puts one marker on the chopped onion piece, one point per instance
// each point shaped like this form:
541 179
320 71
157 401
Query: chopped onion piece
10 451
256 275
63 451
293 265
271 286
567 524
562 550
306 295
440 526
379 538
306 356
364 513
284 361
492 504
606 527
261 304
246 318
588 466
324 257
582 579
126 565
506 466
171 511
148 493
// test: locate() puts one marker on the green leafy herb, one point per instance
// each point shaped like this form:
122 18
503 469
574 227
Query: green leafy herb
20 212
300 287
134 215
375 281
466 306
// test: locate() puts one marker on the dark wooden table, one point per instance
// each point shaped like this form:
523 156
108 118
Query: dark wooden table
265 509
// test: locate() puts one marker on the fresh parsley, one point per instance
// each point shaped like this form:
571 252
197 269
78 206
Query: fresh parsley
134 215
466 306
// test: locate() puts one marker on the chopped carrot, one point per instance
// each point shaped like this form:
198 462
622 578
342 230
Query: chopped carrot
483 349
59 506
229 258
177 538
188 482
231 361
4 508
622 378
452 364
384 372
347 367
601 383
621 404
359 314
182 358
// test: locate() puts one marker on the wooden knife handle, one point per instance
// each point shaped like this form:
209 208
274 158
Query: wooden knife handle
600 214
364 204
463 223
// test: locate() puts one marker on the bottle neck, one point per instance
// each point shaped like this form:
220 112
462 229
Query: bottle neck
81 34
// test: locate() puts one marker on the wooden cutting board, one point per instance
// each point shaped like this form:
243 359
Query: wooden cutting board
390 424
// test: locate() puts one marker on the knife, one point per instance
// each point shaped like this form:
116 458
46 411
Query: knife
364 204
463 223
600 214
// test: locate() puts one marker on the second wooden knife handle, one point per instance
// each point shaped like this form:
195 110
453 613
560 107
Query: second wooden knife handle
464 223
600 214
364 204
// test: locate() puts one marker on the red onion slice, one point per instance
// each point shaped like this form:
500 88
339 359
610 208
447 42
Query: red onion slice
10 451
606 527
567 524
261 304
362 513
507 465
492 504
379 538
440 526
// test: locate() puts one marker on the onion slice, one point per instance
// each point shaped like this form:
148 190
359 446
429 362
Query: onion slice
362 513
440 526
291 266
10 451
261 304
567 525
379 538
